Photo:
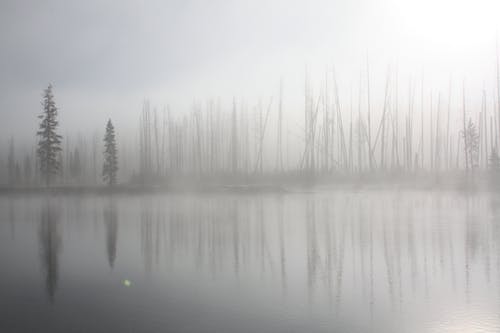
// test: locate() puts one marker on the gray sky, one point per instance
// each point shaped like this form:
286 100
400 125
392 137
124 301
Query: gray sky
105 57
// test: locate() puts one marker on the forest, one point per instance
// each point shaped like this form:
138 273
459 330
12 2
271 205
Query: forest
439 137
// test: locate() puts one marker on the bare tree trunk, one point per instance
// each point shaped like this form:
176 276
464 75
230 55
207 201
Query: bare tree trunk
465 130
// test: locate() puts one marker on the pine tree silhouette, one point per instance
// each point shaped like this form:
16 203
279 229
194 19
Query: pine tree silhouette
110 167
494 160
49 145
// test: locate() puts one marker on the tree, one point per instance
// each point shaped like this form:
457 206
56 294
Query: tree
471 142
11 163
75 165
27 170
49 145
17 179
110 167
494 160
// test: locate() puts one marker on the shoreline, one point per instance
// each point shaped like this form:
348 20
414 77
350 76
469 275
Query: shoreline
459 182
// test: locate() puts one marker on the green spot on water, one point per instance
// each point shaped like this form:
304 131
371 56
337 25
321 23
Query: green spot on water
127 283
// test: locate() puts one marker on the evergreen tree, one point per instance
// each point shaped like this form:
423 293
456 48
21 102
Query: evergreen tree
49 145
75 165
27 170
110 167
494 164
62 167
471 142
11 163
17 179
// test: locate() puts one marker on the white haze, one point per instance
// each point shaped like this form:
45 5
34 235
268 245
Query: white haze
105 57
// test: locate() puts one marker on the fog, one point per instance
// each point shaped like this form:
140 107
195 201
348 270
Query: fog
105 57
250 166
375 261
108 59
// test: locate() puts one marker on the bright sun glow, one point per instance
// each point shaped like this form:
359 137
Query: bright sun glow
446 38
455 24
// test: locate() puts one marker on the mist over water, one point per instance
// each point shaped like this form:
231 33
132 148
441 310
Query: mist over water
250 166
322 261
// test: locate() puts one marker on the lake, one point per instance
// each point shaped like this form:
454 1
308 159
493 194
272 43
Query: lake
317 261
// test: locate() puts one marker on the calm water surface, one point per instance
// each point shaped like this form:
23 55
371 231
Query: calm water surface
375 261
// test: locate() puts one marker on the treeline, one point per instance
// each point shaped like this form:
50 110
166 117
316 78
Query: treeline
423 133
45 164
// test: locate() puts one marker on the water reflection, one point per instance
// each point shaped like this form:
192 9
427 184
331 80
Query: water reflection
391 250
110 217
395 246
281 233
356 254
50 246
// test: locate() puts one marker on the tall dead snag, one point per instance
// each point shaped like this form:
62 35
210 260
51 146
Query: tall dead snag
382 120
464 131
422 122
370 161
437 150
326 126
234 141
431 142
447 146
279 140
340 123
259 161
498 91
